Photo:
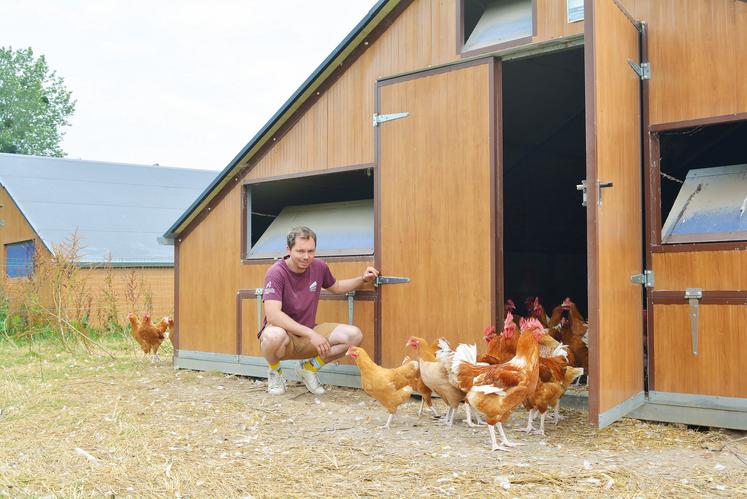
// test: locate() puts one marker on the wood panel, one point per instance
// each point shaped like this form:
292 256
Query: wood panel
693 55
615 240
152 285
710 270
303 148
718 369
435 209
209 271
336 131
552 21
740 20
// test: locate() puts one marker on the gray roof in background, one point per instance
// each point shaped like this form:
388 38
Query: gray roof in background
117 208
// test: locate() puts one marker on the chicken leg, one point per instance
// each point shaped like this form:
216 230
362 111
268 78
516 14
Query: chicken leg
504 439
541 430
493 442
388 422
530 427
557 417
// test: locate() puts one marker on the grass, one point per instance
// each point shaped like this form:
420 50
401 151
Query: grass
74 424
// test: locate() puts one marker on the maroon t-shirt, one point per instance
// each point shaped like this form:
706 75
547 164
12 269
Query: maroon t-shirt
299 293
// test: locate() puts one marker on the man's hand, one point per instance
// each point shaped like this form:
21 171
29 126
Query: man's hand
370 274
320 343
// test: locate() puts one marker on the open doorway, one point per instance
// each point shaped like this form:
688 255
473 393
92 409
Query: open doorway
544 158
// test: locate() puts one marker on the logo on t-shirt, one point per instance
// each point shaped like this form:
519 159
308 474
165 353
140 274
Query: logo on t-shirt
312 288
269 288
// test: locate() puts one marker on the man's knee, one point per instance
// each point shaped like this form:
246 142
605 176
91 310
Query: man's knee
351 335
274 338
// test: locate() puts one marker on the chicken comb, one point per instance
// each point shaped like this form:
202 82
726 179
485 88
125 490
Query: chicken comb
508 325
534 323
489 331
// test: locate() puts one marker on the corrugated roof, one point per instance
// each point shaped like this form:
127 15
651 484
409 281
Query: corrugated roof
378 13
118 208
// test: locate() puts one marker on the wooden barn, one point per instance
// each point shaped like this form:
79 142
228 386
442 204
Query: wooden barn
118 211
488 149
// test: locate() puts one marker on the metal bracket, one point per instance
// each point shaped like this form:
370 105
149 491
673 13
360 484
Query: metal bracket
390 280
600 186
351 297
258 292
643 70
381 118
646 279
694 295
583 188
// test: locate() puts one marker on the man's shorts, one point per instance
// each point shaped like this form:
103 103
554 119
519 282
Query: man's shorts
299 347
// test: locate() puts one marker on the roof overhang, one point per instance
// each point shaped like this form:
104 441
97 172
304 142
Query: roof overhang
308 88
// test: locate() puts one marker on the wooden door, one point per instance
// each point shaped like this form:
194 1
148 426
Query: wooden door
615 238
435 207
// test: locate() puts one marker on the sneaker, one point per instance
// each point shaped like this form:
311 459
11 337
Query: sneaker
309 379
275 382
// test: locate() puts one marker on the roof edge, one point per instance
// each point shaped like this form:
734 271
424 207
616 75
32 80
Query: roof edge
375 16
25 217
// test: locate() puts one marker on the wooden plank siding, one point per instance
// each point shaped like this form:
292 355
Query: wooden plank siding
709 270
718 370
435 208
698 56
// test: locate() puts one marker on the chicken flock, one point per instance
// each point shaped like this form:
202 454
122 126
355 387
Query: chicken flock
531 363
148 335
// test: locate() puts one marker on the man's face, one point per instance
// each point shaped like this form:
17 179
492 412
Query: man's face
303 253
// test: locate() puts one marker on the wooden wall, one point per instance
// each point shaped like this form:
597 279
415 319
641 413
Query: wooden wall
718 369
698 55
710 270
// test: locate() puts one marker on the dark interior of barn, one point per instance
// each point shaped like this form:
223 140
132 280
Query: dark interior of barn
544 158
698 147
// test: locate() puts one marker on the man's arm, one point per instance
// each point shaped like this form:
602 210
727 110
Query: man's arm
276 317
346 285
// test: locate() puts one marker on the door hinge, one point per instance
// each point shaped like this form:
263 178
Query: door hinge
643 70
693 296
384 279
646 279
381 118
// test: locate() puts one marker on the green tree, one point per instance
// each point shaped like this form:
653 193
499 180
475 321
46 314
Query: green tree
34 104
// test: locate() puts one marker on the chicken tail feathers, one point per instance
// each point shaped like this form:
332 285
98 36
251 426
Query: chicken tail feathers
464 353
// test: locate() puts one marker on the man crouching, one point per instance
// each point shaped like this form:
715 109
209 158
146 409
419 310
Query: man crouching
291 297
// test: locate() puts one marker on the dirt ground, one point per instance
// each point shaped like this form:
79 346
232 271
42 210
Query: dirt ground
77 425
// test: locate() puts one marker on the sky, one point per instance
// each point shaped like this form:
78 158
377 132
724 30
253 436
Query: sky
183 83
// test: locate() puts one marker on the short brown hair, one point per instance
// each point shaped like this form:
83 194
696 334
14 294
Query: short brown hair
301 231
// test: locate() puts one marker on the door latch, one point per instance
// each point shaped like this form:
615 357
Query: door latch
385 279
582 187
646 279
694 295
